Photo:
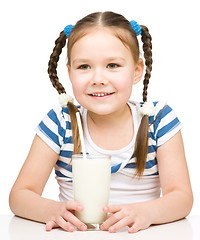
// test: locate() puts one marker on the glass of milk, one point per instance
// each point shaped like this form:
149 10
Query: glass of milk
91 186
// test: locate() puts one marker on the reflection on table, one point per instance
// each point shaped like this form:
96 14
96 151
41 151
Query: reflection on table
22 229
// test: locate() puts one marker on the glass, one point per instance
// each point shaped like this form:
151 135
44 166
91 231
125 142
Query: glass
91 186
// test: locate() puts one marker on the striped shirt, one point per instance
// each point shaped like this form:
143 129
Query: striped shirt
55 130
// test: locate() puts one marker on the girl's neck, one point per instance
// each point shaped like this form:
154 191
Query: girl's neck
109 120
108 131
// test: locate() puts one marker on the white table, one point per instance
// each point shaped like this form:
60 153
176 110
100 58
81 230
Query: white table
15 228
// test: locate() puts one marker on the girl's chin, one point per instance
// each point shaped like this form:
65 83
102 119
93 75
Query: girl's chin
102 111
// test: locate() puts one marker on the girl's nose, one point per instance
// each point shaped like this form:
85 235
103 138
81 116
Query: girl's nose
98 78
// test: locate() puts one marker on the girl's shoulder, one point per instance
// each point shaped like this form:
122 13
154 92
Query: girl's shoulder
163 124
161 109
163 113
55 128
61 114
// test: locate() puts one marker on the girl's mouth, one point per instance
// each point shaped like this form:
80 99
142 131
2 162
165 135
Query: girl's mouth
102 94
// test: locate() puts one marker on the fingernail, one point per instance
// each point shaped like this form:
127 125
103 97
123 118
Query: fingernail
130 230
48 229
71 229
83 227
105 209
79 208
102 227
111 229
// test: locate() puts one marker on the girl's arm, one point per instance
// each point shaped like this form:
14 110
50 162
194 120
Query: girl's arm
176 201
25 197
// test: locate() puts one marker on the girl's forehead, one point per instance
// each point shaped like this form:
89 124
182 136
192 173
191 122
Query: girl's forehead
93 32
97 41
104 30
101 35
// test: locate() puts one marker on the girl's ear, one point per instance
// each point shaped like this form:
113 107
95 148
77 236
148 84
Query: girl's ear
139 68
69 71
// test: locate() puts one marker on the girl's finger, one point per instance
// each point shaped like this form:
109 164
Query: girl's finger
64 224
112 208
120 224
50 225
134 228
109 215
68 216
111 221
72 205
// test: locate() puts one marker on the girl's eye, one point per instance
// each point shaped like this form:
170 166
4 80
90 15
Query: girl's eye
112 65
84 67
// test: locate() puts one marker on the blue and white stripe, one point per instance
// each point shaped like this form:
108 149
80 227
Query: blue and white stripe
55 130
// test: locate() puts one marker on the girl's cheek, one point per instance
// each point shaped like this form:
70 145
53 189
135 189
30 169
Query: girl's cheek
79 87
79 78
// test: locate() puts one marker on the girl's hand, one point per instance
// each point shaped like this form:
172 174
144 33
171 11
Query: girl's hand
136 216
63 216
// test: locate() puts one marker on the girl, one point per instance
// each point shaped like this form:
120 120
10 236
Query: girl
143 139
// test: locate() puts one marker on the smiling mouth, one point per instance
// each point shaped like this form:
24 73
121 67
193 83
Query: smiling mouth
100 94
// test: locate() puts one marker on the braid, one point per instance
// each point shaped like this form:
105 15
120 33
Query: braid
53 62
141 144
147 48
60 43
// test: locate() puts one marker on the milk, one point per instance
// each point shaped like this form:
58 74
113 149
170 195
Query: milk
91 186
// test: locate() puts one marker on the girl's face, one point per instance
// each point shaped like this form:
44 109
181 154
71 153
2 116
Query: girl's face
102 72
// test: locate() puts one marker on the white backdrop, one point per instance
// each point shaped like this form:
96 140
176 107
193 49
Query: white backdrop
28 31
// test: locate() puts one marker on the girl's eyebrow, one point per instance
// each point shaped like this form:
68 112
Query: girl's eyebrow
82 60
109 59
116 58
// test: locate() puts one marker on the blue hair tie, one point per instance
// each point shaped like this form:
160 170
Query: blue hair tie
136 27
68 29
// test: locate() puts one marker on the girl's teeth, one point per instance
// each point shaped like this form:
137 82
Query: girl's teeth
100 94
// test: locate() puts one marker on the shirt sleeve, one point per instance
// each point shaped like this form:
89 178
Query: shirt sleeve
52 129
166 123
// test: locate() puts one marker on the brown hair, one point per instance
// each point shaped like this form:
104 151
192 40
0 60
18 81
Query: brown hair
122 29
